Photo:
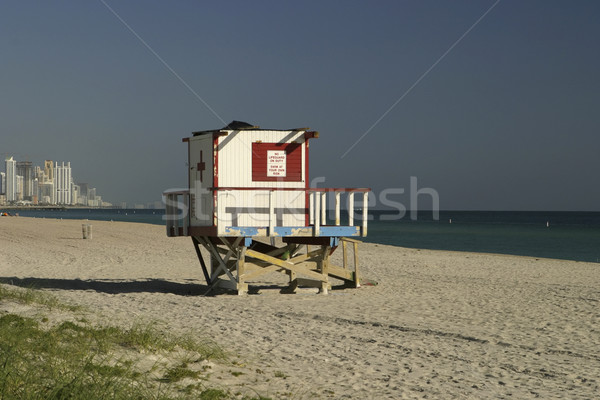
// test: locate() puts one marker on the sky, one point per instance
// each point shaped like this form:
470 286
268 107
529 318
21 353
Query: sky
495 105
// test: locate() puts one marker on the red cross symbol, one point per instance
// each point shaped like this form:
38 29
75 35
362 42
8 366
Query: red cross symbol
201 166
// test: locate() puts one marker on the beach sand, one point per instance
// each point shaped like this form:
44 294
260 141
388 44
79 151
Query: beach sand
438 325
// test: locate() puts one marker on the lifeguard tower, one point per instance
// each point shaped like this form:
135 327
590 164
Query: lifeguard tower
250 186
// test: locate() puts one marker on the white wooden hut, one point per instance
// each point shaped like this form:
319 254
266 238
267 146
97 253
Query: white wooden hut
247 183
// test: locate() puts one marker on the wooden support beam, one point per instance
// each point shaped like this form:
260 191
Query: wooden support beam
242 264
323 267
213 248
298 268
199 254
344 249
340 273
260 270
242 287
307 256
356 274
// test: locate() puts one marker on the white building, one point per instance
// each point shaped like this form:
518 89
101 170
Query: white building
75 194
11 180
62 183
35 198
20 188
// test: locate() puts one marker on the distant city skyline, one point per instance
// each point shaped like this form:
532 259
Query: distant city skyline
22 183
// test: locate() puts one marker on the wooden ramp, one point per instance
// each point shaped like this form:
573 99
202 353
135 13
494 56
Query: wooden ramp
236 262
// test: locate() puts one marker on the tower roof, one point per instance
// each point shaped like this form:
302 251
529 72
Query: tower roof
243 126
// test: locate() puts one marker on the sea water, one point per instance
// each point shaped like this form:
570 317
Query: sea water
561 235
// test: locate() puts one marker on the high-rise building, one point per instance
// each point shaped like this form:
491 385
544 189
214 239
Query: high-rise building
83 193
49 170
36 191
91 197
62 183
11 180
2 182
25 169
47 193
19 193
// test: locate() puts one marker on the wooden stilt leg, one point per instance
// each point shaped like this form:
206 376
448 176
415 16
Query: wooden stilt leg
293 282
323 266
242 287
356 275
344 249
199 254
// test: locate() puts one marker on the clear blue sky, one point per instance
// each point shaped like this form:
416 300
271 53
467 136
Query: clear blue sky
509 119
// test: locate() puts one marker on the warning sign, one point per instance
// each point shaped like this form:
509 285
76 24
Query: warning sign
276 162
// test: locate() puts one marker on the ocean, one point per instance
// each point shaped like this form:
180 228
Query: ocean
560 235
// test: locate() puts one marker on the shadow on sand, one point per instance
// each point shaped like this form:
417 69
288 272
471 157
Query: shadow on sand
140 286
110 286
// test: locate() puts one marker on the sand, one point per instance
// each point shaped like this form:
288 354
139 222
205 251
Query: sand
438 325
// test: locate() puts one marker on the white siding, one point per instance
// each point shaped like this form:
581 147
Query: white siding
243 208
250 208
201 204
235 157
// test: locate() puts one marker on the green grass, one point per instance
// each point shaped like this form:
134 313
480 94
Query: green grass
31 296
76 360
71 361
179 372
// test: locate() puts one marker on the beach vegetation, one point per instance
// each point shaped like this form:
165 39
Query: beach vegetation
76 360
32 296
280 374
180 372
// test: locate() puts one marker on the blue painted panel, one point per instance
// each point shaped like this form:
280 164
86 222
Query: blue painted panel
283 231
241 231
341 231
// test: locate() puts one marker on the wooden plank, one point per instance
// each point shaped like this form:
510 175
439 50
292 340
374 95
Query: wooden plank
298 268
202 264
302 257
340 273
323 266
356 274
222 262
344 250
260 271
309 266
242 287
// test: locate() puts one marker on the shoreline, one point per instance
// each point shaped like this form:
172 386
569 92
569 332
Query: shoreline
439 324
362 240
